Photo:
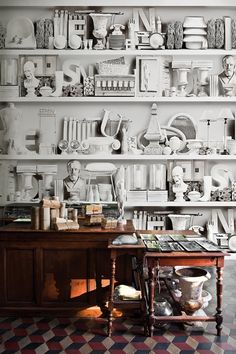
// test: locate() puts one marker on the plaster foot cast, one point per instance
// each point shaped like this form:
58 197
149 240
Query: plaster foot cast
222 175
207 188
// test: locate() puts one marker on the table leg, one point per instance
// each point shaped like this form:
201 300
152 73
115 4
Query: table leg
112 285
219 296
151 283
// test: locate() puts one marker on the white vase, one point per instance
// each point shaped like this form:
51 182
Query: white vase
180 222
191 281
100 28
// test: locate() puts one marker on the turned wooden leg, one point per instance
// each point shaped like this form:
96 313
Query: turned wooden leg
112 285
151 283
219 297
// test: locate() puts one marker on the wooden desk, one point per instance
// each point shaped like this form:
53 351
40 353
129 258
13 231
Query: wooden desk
51 272
155 260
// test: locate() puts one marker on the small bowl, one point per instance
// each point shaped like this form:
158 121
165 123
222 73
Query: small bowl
193 45
45 91
194 196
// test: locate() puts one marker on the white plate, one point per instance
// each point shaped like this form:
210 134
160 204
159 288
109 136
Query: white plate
195 31
232 243
22 220
156 40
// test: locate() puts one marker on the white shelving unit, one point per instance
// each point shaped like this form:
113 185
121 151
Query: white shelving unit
120 157
129 104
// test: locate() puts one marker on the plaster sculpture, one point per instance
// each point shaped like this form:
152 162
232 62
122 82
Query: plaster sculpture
100 28
11 121
179 187
227 78
74 185
120 193
207 188
20 33
222 175
30 82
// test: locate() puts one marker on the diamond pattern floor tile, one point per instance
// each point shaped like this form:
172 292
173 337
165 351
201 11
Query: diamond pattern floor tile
74 336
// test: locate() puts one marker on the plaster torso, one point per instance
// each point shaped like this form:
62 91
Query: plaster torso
11 119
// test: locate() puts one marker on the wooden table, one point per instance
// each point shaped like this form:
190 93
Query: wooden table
132 250
155 260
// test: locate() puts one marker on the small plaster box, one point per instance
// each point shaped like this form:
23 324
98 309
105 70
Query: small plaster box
109 223
92 209
91 220
114 85
157 196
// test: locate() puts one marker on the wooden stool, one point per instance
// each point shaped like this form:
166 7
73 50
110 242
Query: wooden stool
132 250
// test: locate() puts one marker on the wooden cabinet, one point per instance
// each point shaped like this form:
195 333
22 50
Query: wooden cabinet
41 271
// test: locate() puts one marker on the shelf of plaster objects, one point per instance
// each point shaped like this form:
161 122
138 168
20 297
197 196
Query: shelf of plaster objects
82 202
120 99
80 99
182 204
110 52
121 157
159 3
32 202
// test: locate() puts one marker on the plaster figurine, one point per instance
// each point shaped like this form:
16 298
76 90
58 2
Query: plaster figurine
74 185
30 82
120 193
179 187
10 118
227 78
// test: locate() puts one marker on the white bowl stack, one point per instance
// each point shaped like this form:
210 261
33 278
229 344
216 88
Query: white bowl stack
194 32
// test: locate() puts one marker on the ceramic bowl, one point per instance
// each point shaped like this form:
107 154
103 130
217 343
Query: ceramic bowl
206 298
194 196
45 91
194 21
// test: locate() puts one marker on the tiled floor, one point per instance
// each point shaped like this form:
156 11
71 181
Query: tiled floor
73 336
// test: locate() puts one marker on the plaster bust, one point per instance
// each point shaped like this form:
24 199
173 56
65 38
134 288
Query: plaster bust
74 185
179 187
30 82
227 78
